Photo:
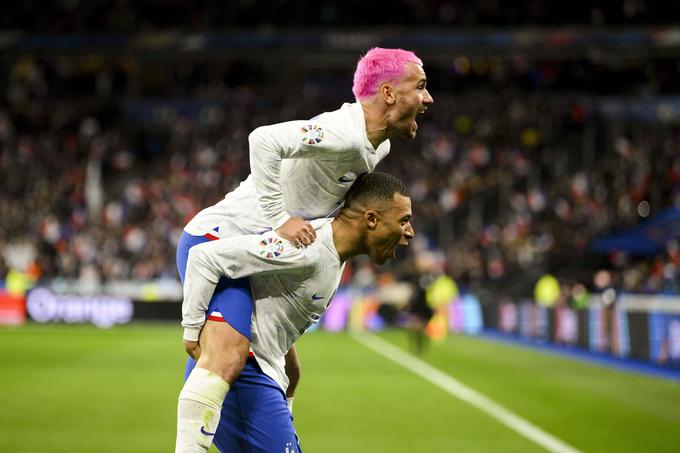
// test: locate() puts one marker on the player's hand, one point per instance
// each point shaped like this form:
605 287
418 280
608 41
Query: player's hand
193 349
298 231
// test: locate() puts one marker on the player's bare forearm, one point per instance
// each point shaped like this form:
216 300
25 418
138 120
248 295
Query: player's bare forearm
293 370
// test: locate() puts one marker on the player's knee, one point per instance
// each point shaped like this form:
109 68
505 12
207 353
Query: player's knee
227 363
224 351
230 370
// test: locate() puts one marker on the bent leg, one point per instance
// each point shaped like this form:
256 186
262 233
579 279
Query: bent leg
225 340
223 350
223 354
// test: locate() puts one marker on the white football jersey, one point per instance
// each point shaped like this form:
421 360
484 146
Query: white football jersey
298 168
291 288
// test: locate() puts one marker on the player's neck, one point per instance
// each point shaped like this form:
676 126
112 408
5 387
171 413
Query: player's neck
346 238
377 121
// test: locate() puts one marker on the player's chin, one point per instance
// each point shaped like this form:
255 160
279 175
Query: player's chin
391 253
409 130
409 134
413 131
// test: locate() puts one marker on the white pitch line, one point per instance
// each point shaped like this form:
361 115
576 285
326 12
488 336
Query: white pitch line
464 393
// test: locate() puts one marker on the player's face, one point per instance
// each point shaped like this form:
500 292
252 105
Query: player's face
393 229
411 98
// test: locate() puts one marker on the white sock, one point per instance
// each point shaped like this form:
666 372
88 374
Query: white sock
198 410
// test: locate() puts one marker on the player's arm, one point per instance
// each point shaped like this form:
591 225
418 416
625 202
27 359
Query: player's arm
293 370
269 145
235 257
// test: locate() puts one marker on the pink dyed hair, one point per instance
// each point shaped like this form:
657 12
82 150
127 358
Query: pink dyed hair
380 66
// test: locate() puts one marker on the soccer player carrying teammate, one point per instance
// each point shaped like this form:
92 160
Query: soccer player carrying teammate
291 289
302 170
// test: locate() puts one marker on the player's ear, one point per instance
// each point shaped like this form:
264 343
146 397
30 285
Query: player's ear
387 93
371 218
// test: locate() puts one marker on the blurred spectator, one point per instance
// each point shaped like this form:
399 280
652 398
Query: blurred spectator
64 16
507 182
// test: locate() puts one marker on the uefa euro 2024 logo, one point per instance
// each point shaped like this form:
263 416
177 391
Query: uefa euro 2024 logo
312 134
271 247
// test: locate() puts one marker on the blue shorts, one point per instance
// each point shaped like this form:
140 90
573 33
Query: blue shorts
232 298
255 416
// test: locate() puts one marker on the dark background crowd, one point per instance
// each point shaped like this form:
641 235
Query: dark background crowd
127 16
518 167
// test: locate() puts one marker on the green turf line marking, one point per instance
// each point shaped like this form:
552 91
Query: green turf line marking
464 393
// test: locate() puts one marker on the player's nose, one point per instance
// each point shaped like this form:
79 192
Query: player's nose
409 233
428 99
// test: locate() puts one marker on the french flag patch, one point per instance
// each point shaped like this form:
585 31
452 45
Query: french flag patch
216 316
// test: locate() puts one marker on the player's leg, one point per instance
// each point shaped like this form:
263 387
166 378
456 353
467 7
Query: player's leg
201 398
225 337
198 411
232 300
230 435
255 416
225 340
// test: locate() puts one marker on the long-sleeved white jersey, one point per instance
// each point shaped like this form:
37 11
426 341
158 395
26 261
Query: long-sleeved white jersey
291 288
298 168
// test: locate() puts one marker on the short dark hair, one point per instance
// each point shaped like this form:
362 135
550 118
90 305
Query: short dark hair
374 186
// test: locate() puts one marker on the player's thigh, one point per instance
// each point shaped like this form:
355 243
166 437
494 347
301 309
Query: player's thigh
232 299
232 302
221 345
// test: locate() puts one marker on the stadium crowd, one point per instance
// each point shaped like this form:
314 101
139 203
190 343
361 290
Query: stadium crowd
67 16
515 170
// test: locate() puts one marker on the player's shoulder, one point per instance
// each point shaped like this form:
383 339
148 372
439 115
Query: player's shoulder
345 123
345 111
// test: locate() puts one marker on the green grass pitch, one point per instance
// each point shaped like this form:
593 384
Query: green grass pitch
81 389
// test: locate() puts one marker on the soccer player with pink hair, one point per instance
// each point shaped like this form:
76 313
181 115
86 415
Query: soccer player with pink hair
300 170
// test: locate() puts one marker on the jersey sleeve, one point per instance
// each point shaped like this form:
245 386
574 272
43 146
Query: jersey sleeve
290 140
234 257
